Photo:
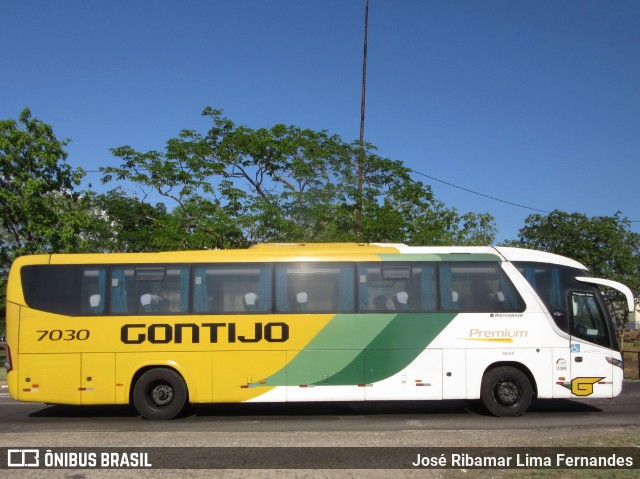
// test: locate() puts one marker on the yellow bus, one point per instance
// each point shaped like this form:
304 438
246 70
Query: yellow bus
309 322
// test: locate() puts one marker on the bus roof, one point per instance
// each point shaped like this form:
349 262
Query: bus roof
302 251
534 256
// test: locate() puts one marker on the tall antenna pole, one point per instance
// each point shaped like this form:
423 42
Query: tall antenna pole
362 111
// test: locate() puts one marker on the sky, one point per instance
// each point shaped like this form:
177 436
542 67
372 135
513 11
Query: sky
535 103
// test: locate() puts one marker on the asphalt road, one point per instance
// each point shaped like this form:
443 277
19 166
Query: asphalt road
451 424
384 416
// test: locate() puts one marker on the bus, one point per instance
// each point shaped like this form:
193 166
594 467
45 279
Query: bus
309 322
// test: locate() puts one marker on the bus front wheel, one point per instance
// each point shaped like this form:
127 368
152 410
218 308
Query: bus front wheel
160 393
506 391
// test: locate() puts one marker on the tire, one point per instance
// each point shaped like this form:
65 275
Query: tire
506 391
160 394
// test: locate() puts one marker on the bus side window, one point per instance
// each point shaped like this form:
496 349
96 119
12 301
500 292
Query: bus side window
93 291
315 287
552 282
232 288
121 291
399 287
481 287
201 298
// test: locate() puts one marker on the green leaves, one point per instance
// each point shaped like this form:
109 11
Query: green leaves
605 244
233 186
229 186
285 183
36 185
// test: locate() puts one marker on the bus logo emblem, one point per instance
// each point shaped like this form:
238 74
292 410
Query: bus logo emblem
583 386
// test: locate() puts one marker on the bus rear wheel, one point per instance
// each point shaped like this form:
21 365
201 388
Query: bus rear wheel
506 391
160 393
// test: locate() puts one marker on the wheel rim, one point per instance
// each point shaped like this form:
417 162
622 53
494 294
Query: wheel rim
507 392
160 394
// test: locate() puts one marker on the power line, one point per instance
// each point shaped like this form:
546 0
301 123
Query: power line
485 195
478 193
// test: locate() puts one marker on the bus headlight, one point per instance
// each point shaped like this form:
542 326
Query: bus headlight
615 362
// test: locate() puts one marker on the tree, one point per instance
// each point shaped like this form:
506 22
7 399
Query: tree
39 211
120 223
234 186
605 244
36 189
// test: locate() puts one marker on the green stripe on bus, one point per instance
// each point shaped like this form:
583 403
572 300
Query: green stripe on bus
362 349
455 257
393 349
334 347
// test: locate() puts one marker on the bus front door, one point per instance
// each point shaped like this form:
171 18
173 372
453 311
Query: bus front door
591 373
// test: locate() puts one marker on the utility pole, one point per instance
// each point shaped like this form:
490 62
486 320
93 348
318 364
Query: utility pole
361 156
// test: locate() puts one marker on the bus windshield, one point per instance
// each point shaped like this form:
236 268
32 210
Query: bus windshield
576 307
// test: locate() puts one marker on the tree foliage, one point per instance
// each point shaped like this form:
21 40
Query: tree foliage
605 244
231 186
119 223
234 186
39 209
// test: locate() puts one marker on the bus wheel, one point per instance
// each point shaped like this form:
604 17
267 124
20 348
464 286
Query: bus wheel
160 393
506 391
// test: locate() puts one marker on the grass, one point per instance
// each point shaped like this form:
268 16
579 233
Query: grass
544 474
